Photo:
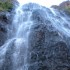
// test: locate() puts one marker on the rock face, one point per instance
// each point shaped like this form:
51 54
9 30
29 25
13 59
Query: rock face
65 6
4 21
48 48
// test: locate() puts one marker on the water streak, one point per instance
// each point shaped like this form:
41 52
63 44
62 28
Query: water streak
18 40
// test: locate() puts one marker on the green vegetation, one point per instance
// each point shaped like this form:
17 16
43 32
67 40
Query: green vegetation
6 5
65 6
67 9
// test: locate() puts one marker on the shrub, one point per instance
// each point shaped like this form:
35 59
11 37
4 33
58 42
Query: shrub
5 6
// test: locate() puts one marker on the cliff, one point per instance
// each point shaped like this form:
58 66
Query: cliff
65 6
48 40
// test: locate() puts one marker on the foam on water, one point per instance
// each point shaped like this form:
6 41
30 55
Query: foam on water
19 40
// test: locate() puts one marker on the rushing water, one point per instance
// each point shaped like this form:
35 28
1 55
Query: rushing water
18 39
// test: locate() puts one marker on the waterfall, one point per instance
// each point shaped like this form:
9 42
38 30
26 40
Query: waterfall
22 30
60 21
14 53
16 47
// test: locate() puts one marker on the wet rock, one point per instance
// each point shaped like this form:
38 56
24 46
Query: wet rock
47 46
39 16
5 17
4 22
3 34
38 33
2 38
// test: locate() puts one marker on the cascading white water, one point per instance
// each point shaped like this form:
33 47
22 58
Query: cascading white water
60 21
20 32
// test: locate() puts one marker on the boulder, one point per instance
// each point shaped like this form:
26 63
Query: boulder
48 49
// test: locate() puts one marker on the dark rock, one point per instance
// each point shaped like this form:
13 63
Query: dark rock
37 37
3 34
47 47
55 6
62 68
4 22
3 37
4 17
39 16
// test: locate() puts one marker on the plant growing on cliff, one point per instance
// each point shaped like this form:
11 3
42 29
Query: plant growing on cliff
5 6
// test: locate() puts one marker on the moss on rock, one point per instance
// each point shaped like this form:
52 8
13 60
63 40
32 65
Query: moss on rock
5 5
